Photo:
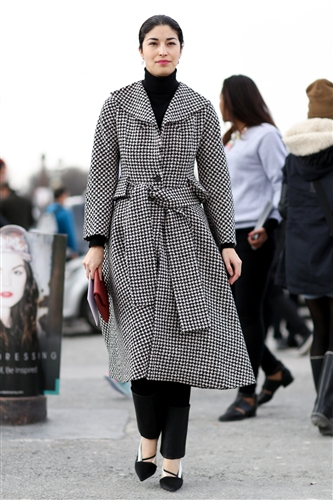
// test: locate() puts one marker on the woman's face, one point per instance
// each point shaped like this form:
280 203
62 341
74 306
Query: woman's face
224 110
13 277
161 50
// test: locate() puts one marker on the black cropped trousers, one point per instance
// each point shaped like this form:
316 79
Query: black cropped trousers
174 394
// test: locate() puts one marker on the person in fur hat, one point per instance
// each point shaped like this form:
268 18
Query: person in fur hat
306 266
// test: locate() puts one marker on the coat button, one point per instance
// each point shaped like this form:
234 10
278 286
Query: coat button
157 178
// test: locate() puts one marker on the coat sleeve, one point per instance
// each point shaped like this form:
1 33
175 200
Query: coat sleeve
214 177
103 174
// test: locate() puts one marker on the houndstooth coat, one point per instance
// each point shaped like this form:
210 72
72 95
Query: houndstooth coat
172 314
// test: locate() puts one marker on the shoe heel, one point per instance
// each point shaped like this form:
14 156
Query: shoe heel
287 380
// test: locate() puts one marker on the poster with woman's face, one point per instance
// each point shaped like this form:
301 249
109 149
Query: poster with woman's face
32 269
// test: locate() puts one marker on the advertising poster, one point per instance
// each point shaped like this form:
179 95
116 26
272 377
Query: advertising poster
32 270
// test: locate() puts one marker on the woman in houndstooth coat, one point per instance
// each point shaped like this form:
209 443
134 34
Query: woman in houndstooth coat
157 234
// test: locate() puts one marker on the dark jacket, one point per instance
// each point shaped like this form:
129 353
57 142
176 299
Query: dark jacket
17 210
306 266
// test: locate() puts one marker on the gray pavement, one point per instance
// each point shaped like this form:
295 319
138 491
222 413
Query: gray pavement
87 447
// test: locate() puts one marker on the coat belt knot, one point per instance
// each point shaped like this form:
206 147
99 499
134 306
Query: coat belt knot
183 266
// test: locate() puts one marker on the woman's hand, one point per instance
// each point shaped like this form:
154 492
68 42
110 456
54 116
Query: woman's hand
94 260
232 263
257 238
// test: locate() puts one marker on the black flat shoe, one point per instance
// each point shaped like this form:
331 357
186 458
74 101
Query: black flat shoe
233 414
143 468
272 385
173 482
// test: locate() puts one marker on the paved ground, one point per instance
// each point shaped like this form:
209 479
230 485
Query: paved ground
86 449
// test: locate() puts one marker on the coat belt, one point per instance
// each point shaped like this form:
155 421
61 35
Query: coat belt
182 261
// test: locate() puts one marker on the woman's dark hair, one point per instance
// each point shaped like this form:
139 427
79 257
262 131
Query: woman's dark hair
160 20
23 316
244 102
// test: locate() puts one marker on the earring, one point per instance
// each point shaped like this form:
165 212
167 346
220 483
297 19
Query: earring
143 61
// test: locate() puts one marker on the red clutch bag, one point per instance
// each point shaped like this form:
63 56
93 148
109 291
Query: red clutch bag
101 297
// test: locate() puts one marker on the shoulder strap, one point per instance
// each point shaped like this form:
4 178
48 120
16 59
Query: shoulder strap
324 204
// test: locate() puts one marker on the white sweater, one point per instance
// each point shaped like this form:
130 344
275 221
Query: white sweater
255 164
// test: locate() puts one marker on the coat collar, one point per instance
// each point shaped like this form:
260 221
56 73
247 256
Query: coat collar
135 101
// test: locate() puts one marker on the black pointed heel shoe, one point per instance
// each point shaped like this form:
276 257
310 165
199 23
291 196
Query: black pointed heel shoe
173 482
271 386
245 410
144 469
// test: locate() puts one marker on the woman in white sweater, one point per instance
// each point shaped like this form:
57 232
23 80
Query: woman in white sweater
256 155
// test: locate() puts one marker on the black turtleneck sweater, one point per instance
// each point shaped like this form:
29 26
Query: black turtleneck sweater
160 90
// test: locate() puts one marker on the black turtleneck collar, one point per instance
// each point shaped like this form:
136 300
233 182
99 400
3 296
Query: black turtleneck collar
160 90
160 84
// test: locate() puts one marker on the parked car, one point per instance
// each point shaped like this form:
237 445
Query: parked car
76 284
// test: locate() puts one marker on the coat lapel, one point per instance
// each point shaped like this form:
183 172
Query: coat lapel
184 103
135 101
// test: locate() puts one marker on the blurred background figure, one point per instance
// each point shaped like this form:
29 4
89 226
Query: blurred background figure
65 220
15 209
3 220
306 266
3 171
282 309
123 388
256 155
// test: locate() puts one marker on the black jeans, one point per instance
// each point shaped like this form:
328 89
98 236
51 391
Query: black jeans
249 293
